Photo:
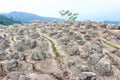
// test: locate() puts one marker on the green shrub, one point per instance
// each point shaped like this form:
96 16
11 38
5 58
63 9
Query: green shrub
68 15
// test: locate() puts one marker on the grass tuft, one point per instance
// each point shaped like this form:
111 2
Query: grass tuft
54 48
111 45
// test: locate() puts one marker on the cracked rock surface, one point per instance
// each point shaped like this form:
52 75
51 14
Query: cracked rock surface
60 51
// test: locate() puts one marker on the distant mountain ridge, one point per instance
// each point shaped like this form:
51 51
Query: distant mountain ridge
112 22
25 17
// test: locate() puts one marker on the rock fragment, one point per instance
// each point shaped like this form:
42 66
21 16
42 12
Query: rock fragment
104 67
38 56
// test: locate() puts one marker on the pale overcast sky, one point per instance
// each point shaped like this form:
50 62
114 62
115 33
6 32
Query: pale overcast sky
88 9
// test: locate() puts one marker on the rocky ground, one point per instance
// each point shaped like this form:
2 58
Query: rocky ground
60 51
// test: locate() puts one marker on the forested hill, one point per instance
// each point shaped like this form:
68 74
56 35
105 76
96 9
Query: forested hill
4 20
25 17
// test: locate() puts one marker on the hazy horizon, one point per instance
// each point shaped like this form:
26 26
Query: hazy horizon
96 10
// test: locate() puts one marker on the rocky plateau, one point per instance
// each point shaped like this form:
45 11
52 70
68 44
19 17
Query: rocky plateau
60 51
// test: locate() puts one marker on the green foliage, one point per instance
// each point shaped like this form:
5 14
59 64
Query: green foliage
68 15
54 49
111 45
4 20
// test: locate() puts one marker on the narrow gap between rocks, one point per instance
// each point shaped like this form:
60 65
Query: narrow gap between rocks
111 45
54 49
114 62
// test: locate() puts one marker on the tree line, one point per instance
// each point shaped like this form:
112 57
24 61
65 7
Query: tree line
4 20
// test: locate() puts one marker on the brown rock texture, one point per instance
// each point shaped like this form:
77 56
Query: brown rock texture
60 51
